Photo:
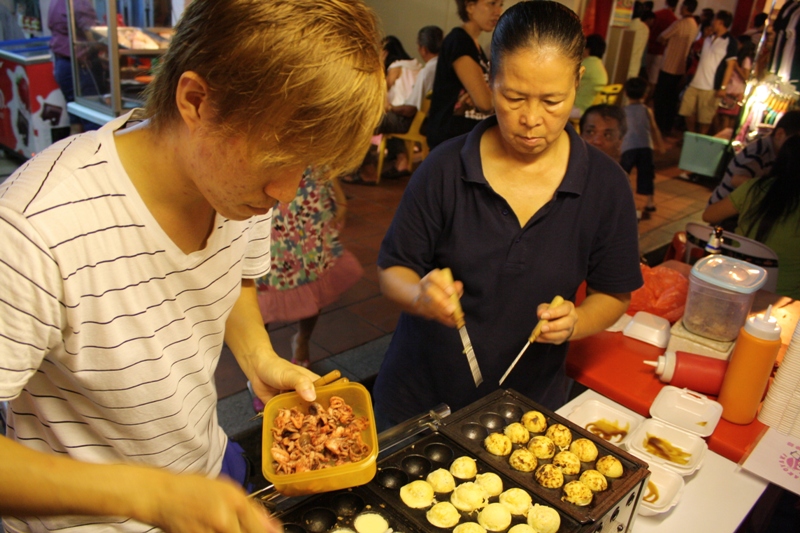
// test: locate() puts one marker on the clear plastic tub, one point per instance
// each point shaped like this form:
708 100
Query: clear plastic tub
721 291
334 477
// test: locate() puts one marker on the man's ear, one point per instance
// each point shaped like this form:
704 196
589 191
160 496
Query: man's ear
192 99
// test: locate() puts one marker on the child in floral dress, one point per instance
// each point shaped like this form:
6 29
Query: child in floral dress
310 267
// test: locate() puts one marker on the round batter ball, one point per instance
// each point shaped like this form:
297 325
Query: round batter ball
542 447
594 480
517 433
443 514
516 500
549 476
497 444
522 528
441 480
584 449
544 519
560 435
469 527
464 468
469 496
417 494
534 421
578 493
491 483
568 462
370 523
495 517
523 460
609 466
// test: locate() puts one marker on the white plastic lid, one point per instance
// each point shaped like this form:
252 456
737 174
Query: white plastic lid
763 326
687 410
729 273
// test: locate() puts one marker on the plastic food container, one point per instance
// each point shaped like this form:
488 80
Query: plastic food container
663 492
680 419
648 328
721 291
327 479
605 421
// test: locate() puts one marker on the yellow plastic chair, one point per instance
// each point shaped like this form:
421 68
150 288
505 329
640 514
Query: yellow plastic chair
411 137
608 94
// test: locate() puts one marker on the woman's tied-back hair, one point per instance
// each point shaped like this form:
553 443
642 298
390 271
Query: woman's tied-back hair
776 196
539 24
302 79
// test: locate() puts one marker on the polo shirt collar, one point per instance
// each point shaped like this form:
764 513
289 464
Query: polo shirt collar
574 181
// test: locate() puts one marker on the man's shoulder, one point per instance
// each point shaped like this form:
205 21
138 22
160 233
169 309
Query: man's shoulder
52 176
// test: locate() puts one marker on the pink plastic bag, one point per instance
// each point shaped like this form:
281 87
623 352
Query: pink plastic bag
663 293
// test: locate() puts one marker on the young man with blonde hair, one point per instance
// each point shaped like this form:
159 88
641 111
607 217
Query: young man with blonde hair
132 256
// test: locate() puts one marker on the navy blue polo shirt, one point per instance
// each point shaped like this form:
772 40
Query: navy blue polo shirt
449 216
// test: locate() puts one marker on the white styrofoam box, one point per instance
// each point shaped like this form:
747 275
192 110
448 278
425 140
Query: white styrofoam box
668 487
648 328
687 409
689 443
681 344
593 411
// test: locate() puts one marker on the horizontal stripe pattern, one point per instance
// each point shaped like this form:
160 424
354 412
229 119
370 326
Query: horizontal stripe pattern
111 334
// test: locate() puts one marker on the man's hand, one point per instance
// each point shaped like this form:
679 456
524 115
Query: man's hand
196 504
275 374
246 336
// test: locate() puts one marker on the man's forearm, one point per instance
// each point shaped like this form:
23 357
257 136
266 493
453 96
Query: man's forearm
245 333
34 483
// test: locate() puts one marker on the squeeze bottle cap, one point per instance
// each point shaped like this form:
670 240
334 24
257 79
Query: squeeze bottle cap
763 326
664 366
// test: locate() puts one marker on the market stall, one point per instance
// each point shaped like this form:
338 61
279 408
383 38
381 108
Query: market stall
32 107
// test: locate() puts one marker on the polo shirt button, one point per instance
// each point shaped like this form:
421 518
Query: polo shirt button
505 212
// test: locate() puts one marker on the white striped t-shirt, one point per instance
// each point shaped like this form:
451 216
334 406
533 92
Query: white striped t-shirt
109 333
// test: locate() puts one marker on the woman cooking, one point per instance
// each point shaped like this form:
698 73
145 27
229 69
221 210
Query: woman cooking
521 210
461 95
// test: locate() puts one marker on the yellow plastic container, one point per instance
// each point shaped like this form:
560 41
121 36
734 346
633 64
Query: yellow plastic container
327 479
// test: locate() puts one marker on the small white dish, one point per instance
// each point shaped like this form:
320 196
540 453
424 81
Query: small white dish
648 328
594 416
686 442
663 492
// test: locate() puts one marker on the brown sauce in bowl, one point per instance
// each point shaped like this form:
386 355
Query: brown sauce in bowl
607 430
651 494
666 450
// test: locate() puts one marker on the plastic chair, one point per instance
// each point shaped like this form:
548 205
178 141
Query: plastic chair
734 246
411 137
609 94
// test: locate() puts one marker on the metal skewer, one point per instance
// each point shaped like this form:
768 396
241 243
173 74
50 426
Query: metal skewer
558 300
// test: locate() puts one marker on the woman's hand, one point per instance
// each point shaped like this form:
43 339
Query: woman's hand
433 300
561 322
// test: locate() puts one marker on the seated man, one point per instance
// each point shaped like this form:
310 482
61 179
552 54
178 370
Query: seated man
604 126
398 118
594 76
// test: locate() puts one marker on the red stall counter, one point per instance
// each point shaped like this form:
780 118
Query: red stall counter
33 112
